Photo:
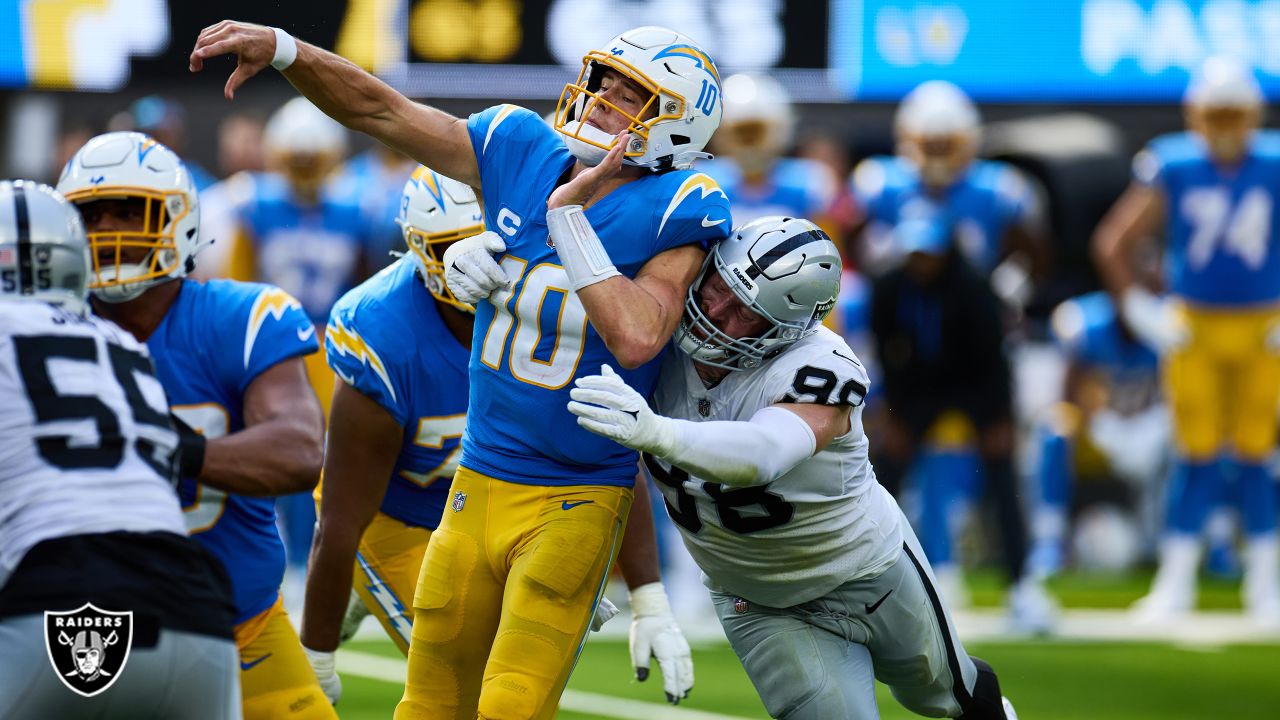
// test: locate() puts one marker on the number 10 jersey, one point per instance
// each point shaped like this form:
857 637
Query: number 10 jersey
825 522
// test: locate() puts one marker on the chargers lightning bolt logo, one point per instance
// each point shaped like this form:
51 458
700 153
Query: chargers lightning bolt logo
273 302
349 343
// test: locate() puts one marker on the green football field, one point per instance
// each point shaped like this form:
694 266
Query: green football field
1047 679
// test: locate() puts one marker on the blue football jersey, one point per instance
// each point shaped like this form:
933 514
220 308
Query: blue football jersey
531 341
312 252
380 187
217 337
983 203
387 340
1223 238
1089 332
795 187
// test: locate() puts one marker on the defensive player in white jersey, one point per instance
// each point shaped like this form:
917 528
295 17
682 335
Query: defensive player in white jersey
229 356
757 444
88 513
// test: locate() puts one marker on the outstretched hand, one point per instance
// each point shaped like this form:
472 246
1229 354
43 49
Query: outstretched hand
581 189
253 45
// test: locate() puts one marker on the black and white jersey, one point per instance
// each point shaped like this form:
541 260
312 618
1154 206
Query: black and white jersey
85 440
825 522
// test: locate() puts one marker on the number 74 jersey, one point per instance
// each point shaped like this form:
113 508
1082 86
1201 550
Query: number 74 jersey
825 522
1223 235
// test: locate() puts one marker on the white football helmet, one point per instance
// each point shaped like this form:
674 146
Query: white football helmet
1223 104
435 211
44 254
304 144
132 166
938 129
787 270
677 118
758 121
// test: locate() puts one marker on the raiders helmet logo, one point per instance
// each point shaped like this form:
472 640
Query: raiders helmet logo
88 647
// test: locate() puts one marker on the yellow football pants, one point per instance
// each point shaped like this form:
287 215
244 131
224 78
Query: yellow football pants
276 681
1224 385
505 597
386 572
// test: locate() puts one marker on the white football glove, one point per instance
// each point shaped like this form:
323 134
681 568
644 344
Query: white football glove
606 405
654 633
604 613
470 270
356 613
1153 320
323 666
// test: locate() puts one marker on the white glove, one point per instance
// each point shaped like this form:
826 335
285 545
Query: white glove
1153 320
322 665
470 270
356 613
654 632
606 405
604 613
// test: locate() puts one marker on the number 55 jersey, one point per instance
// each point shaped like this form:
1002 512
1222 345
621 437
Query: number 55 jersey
822 524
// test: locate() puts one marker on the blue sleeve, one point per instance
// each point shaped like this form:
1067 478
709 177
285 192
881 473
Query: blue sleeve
1016 201
697 212
351 351
1150 165
509 141
276 329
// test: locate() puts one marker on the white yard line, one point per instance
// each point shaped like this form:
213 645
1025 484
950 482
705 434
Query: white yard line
391 670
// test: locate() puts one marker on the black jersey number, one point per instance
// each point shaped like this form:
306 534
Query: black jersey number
742 510
33 355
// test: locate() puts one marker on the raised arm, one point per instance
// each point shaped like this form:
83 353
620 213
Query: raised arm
349 95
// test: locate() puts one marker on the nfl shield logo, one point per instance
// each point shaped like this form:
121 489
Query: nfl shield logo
740 606
704 407
88 647
459 499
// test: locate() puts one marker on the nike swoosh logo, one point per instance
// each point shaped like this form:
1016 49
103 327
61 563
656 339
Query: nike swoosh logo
305 334
566 505
876 606
246 666
706 222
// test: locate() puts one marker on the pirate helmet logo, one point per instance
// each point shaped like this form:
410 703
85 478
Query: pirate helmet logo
88 647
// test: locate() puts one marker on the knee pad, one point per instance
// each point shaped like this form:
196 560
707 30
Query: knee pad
985 702
510 696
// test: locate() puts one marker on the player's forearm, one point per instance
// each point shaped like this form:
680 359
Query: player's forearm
740 452
634 324
276 457
638 556
329 571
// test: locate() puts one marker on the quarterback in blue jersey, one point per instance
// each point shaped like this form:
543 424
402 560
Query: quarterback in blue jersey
597 252
757 129
993 208
1212 189
395 435
229 356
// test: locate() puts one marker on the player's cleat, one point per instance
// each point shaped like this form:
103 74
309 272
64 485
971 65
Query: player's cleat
1162 604
1031 609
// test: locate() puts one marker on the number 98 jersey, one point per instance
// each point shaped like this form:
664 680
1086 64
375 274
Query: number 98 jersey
822 524
1223 241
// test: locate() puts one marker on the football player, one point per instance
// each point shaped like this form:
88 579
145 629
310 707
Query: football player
395 436
758 128
537 506
87 508
1211 189
229 356
756 441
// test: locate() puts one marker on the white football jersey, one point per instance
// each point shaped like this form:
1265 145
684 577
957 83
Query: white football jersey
822 524
85 440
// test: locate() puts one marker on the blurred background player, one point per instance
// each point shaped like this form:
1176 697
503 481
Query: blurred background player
87 510
399 414
1111 420
1211 191
302 230
940 343
240 155
379 174
229 356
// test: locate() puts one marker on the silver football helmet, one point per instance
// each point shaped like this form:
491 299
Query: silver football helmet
44 254
787 270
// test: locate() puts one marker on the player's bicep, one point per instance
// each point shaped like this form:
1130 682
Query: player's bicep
667 277
282 393
827 422
362 445
434 138
1135 215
